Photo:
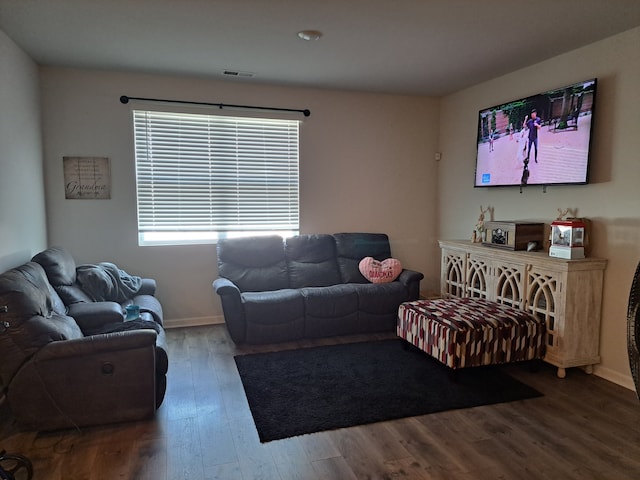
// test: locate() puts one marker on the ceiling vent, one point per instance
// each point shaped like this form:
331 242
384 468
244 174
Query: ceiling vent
236 73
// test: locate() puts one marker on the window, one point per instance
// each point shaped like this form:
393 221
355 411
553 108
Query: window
204 177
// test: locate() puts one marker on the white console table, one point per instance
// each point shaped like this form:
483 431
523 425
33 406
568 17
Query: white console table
567 294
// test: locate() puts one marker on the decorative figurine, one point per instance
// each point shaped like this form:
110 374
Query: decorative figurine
478 231
563 213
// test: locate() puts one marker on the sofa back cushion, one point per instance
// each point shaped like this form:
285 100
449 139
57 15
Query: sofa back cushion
254 264
34 317
59 265
351 248
71 294
311 261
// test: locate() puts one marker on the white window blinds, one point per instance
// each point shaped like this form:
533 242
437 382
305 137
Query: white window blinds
202 177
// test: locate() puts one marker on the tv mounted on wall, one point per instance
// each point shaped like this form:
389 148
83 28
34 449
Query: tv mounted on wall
544 139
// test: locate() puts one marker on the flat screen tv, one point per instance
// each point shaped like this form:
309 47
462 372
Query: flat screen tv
544 139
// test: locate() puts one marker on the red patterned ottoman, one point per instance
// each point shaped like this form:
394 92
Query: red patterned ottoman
470 332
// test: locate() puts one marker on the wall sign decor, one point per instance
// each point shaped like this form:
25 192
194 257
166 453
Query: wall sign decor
87 178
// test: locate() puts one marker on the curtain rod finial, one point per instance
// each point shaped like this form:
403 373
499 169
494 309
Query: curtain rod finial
306 112
124 99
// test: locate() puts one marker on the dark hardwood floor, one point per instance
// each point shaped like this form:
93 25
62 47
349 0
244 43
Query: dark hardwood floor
582 428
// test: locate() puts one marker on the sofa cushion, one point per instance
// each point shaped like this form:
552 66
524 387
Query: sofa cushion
59 265
254 264
311 261
378 305
273 307
353 247
26 290
273 316
333 301
71 294
331 310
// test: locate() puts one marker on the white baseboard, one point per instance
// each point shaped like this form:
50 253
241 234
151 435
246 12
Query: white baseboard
615 377
193 321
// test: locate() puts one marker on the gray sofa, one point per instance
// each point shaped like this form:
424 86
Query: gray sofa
274 289
67 360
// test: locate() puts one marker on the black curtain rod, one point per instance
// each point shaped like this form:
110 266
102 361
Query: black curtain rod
124 99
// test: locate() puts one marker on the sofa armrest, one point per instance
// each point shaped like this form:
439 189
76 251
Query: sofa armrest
411 280
224 286
150 304
88 381
90 316
408 276
232 307
148 287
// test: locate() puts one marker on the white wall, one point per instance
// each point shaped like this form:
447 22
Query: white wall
611 201
366 164
22 210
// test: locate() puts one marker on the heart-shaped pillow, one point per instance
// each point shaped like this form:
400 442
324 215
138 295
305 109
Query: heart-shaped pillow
380 272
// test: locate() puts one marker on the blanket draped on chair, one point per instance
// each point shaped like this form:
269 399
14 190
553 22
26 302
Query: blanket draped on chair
106 282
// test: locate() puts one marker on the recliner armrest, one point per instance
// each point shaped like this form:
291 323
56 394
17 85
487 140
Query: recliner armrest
232 307
93 315
224 286
408 276
148 287
411 280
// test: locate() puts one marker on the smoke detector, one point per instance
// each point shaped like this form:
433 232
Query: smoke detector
310 35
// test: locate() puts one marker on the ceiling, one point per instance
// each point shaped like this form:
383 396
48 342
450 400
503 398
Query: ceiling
426 47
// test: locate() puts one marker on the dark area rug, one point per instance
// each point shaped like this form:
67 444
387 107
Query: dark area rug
294 392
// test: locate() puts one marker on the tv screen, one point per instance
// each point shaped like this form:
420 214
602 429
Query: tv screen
544 139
